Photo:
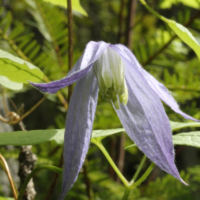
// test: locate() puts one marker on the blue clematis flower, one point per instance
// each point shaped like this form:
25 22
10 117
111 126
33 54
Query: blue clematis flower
135 95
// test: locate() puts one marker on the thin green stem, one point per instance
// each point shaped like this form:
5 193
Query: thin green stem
150 9
102 148
133 185
139 168
38 168
127 192
145 175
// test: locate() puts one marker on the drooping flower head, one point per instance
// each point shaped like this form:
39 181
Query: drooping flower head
136 97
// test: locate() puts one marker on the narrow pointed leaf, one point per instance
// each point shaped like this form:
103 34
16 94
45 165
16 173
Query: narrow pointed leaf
19 138
179 29
105 133
179 125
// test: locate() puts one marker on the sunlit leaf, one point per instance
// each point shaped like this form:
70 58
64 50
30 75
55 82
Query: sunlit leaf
10 84
5 198
31 137
76 6
184 34
179 29
18 70
190 139
41 136
104 133
191 3
179 125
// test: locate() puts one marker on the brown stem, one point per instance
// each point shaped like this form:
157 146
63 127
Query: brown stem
55 180
70 43
4 102
129 33
112 155
121 155
169 42
70 88
6 169
130 21
87 181
31 110
121 19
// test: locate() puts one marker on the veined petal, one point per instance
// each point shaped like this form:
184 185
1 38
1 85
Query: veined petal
158 88
78 130
92 52
147 124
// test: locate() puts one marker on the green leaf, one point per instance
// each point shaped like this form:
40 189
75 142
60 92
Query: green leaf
190 139
105 133
179 125
191 3
18 70
180 30
132 145
10 84
76 6
31 137
184 34
6 198
41 136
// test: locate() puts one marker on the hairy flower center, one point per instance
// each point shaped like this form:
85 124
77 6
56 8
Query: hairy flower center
109 70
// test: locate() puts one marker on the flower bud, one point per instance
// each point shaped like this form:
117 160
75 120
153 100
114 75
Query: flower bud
109 70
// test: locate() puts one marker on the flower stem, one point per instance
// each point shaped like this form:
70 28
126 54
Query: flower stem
103 150
127 192
139 168
133 185
145 175
38 168
151 10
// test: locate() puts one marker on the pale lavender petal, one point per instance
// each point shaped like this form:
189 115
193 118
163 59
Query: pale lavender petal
158 88
78 128
92 52
147 124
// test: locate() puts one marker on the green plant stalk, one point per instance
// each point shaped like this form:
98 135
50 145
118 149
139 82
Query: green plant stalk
139 168
133 185
103 150
38 168
145 175
151 10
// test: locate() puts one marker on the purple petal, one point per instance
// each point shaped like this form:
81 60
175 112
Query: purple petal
158 88
147 124
92 52
78 130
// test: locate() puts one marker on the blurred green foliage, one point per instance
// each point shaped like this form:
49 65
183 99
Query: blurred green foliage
37 32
